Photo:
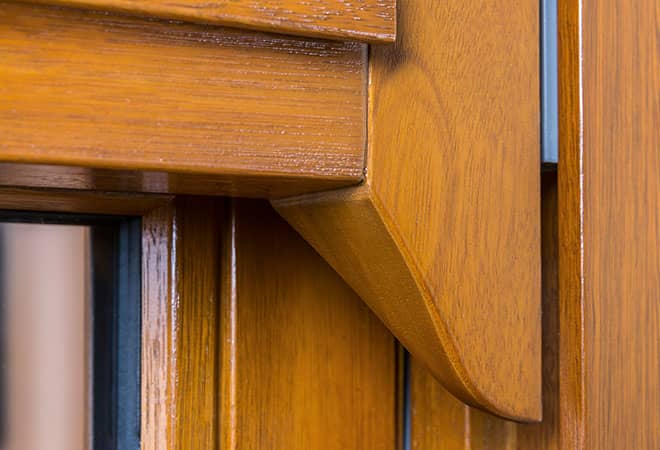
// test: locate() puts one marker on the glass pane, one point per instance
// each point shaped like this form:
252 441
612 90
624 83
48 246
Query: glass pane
45 292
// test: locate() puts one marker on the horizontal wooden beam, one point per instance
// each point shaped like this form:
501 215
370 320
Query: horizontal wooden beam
363 20
250 113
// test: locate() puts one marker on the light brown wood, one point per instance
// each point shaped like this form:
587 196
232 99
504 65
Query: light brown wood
244 113
609 224
180 316
438 421
365 20
443 239
441 422
305 364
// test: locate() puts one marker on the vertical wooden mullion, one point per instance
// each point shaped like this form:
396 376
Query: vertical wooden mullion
570 198
180 322
158 364
609 225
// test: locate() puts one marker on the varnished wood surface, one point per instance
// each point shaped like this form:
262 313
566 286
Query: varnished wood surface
453 160
441 422
569 186
367 20
443 240
180 371
100 91
609 226
305 364
73 201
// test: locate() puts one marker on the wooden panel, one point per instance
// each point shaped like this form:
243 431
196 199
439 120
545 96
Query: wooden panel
438 421
92 90
443 240
305 364
441 422
180 333
366 20
609 225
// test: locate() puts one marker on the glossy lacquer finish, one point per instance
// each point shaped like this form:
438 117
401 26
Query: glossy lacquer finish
305 364
99 101
609 224
443 238
180 304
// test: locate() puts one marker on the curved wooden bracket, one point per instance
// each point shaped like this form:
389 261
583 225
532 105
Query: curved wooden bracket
443 238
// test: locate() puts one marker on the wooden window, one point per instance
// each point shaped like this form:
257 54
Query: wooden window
71 328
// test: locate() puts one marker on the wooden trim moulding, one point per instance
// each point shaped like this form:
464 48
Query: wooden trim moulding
180 316
609 224
175 107
443 239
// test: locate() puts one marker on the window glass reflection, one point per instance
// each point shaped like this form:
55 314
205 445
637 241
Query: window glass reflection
44 293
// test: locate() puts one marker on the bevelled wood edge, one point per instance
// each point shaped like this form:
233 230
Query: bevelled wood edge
350 230
372 21
444 239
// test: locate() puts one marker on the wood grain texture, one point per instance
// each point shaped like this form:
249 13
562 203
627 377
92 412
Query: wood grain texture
305 364
441 422
609 227
443 239
98 91
570 193
364 20
180 387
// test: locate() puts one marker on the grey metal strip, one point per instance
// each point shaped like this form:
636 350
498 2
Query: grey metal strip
549 86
